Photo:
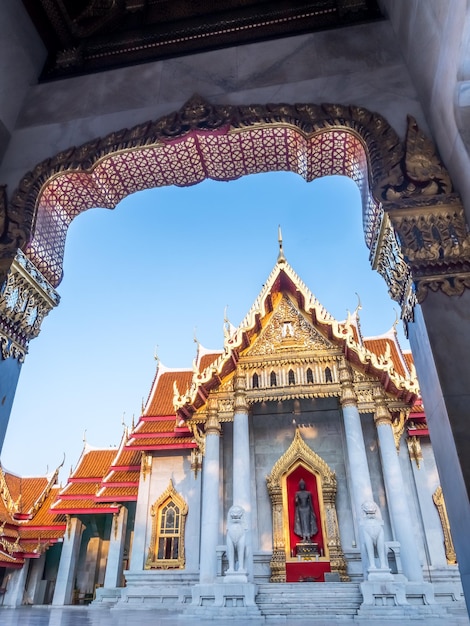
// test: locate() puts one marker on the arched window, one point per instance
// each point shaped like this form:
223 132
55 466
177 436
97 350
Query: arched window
328 376
291 377
273 379
309 375
166 549
255 381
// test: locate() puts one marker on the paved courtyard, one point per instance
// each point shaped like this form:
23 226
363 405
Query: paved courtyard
83 616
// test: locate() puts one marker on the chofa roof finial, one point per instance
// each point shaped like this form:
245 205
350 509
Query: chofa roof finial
281 258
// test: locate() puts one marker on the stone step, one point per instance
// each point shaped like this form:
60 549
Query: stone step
299 599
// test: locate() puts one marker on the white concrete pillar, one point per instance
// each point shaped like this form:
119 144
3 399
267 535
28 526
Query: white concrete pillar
68 563
241 462
397 503
35 576
117 541
16 586
210 516
142 516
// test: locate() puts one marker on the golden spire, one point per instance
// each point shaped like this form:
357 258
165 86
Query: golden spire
280 258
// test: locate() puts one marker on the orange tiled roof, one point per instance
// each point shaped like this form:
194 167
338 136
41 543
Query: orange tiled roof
161 401
94 463
379 345
208 359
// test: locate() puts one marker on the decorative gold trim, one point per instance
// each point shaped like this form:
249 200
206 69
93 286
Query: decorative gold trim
239 386
438 499
212 426
11 506
398 426
414 449
153 562
145 464
348 393
297 454
382 414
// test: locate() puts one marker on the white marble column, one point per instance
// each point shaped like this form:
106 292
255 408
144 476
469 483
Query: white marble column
396 496
112 577
241 462
210 516
142 516
16 586
361 485
35 577
357 456
68 563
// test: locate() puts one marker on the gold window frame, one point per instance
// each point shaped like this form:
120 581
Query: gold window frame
167 497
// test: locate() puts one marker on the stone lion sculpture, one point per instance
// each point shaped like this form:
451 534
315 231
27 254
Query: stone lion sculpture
372 525
236 539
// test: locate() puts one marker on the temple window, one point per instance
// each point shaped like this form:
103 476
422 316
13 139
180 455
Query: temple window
309 375
255 381
328 376
167 543
291 377
273 379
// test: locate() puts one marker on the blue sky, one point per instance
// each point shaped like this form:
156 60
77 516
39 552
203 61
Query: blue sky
159 270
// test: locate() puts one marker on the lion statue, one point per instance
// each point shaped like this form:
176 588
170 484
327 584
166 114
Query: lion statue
236 539
372 525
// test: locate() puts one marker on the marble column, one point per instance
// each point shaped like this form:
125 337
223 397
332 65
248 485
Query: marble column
241 461
35 577
142 516
113 574
396 496
16 586
361 485
210 516
431 524
68 563
357 456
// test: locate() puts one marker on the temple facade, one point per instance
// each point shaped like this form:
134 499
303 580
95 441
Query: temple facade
290 470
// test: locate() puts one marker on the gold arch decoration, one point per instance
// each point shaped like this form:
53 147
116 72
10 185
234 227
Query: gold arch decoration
438 499
404 186
177 558
299 453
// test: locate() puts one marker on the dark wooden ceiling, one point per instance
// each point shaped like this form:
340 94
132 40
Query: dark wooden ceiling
83 36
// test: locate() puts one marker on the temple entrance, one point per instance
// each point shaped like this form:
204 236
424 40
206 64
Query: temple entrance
223 143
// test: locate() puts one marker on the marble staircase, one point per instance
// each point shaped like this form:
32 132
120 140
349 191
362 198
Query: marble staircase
308 599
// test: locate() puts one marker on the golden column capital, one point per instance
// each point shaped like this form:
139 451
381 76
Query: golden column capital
212 423
382 414
240 404
348 393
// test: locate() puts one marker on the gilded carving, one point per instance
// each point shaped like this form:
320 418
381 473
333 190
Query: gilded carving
414 449
11 505
299 452
438 499
287 329
382 415
26 298
348 393
418 172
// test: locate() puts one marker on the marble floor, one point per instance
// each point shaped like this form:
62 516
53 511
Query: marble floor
83 616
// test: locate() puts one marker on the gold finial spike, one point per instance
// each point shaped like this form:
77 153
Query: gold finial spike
280 258
397 319
142 407
84 436
155 355
123 423
133 421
